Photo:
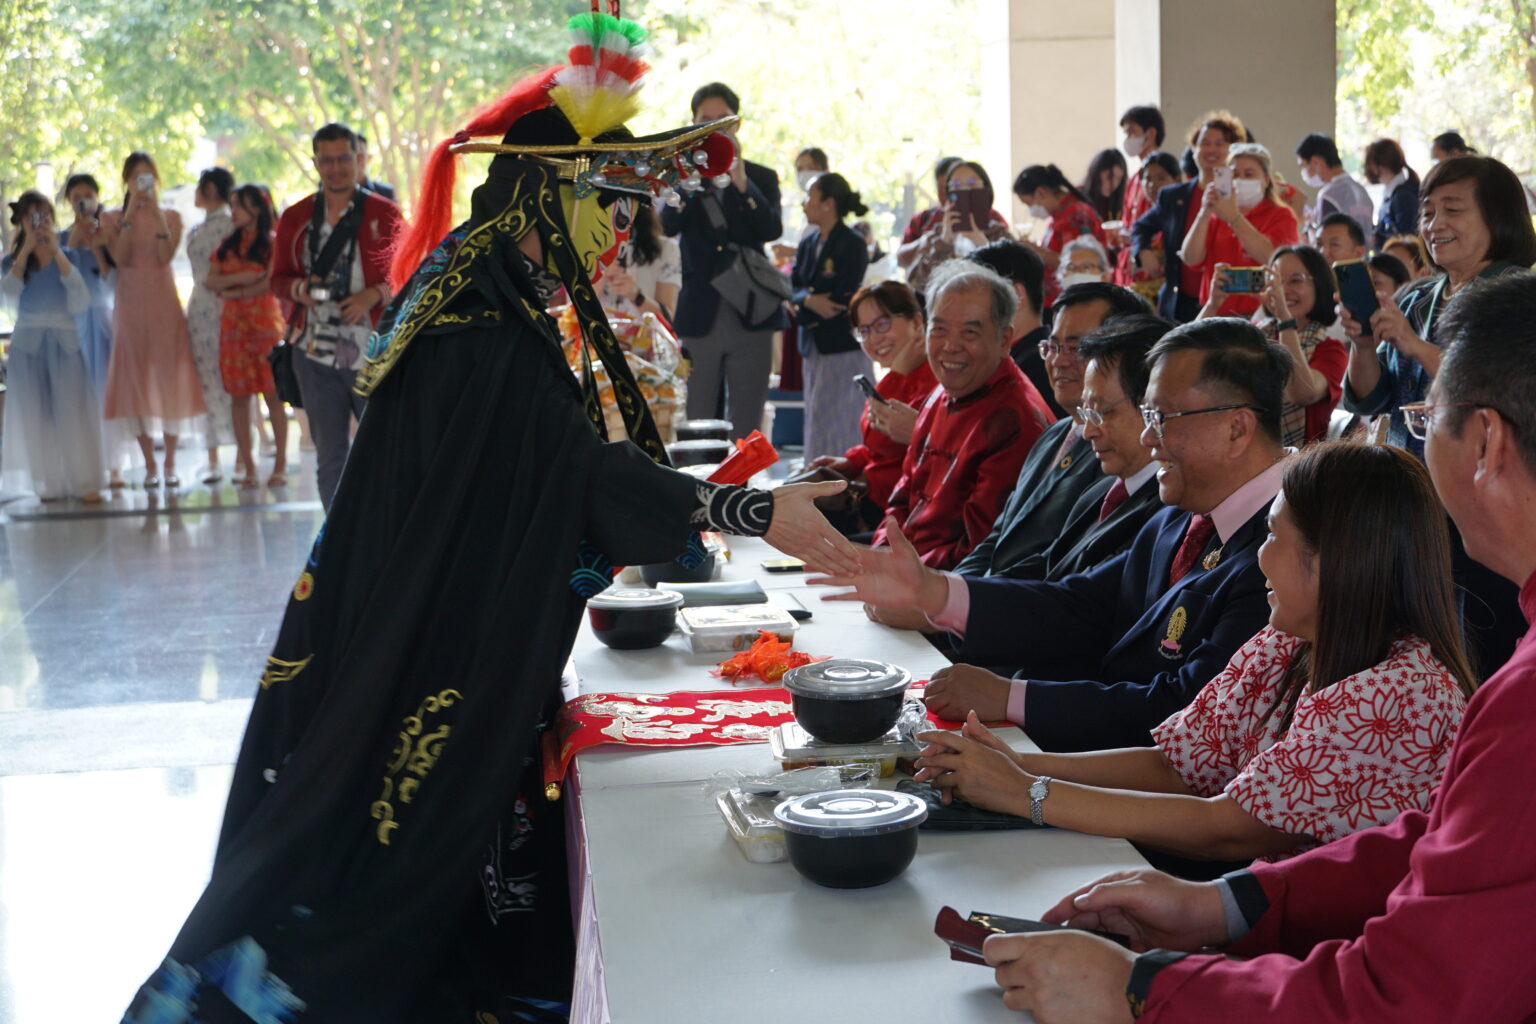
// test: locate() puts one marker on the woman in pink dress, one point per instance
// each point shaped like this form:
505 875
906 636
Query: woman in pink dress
152 383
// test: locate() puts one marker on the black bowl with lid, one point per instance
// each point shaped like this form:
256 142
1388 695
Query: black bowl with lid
847 700
704 430
702 452
633 618
851 838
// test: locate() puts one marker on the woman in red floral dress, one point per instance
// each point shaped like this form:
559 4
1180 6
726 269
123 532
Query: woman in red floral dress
252 323
1338 715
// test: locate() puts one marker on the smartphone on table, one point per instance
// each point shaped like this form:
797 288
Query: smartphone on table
966 936
1357 292
783 565
868 387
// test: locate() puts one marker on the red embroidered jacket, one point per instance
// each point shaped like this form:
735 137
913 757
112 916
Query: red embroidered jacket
375 245
963 461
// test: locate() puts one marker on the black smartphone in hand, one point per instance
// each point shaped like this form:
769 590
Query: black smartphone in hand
1357 292
864 383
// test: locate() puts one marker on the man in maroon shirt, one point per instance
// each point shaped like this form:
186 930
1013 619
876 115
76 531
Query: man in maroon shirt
1419 920
975 430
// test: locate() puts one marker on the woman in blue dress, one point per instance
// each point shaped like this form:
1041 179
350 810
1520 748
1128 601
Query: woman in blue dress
87 244
52 416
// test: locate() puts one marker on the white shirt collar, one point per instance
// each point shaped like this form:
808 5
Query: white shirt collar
1391 186
1138 479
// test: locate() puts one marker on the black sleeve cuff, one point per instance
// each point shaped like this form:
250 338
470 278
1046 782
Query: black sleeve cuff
1142 972
737 510
1249 895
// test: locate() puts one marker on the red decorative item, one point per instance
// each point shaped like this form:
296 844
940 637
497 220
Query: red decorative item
684 719
767 659
754 453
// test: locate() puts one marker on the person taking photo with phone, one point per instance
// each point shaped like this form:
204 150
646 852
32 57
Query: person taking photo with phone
1241 221
87 238
967 223
152 383
52 429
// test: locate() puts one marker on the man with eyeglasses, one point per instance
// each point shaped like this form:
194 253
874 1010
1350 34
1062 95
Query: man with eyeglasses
331 260
1096 660
1414 922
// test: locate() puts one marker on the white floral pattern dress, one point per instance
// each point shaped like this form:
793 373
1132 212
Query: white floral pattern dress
1357 753
203 312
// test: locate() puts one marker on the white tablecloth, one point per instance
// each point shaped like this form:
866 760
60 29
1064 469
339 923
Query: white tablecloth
672 919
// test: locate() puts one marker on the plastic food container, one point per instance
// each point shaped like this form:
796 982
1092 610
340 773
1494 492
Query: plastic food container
851 838
793 748
632 618
733 627
749 820
847 700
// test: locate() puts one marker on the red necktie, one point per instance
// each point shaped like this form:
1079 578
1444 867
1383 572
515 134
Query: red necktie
1074 435
1117 495
1196 537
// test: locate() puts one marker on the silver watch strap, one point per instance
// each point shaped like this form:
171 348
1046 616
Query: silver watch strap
1042 783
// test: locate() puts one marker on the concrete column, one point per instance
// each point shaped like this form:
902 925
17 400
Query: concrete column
1048 89
1273 65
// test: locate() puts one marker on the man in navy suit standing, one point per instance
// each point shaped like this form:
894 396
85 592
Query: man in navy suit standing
1097 659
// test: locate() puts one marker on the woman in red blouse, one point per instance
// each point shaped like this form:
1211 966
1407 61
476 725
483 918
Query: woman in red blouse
1069 214
1338 715
888 322
1242 229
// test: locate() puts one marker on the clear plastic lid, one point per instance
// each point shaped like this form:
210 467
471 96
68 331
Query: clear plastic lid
635 599
847 679
851 812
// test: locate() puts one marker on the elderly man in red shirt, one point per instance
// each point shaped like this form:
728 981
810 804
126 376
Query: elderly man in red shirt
978 425
1416 921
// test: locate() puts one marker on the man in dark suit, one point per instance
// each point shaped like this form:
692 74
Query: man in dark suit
1169 217
724 348
1061 466
381 188
1108 515
1102 657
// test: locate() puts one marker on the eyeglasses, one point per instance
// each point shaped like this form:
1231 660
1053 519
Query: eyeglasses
1087 417
1083 268
1158 420
336 161
880 326
1416 415
1049 349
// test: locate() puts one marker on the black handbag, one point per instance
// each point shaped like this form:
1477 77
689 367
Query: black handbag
283 376
749 281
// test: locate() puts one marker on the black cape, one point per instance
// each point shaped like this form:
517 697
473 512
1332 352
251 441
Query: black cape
393 739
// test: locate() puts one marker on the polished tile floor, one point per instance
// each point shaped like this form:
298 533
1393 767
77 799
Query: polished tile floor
131 639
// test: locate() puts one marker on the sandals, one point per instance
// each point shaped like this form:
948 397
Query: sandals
277 480
213 476
247 483
151 481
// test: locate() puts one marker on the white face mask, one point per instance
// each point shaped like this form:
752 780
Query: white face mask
1134 145
804 179
1068 280
1248 192
1039 212
1312 179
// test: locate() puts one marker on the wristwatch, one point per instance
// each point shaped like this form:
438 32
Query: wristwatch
1286 325
1038 791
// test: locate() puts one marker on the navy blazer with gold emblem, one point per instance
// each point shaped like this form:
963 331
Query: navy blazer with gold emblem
1110 653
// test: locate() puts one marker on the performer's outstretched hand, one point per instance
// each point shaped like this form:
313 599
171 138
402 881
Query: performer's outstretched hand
801 531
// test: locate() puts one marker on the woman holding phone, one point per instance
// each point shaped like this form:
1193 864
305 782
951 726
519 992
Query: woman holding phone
648 272
968 222
1338 715
888 321
1241 222
52 430
1297 310
152 383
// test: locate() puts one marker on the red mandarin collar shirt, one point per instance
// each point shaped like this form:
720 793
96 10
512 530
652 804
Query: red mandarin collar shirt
879 459
963 461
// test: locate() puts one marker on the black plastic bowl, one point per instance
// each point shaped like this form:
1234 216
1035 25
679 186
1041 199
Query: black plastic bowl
704 430
629 620
852 838
698 453
847 721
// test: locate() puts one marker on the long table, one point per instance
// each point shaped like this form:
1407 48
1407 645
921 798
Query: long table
675 924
